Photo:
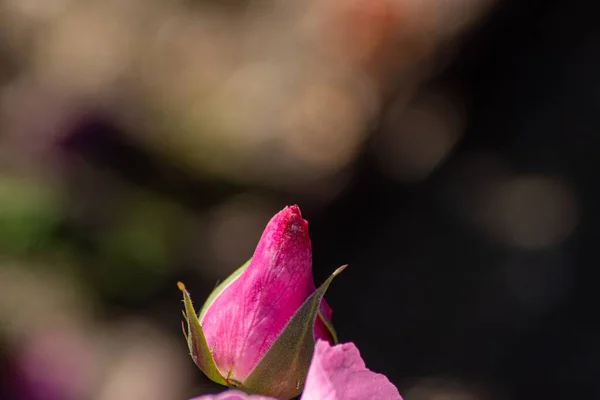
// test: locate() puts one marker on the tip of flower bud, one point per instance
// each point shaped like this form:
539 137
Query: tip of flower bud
291 219
295 210
181 286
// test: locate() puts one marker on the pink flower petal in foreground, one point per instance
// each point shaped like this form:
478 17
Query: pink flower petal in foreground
232 395
339 373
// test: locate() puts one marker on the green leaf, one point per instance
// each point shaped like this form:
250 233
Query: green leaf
282 370
199 349
222 286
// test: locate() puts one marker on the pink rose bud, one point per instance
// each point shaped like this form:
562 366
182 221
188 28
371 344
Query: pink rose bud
258 328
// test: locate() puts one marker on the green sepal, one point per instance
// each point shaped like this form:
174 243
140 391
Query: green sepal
282 370
199 350
329 326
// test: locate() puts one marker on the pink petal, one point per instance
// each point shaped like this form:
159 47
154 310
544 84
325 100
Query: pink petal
247 317
232 395
339 373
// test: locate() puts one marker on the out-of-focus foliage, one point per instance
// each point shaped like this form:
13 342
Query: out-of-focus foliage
29 213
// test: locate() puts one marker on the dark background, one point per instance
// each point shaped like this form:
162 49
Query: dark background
431 302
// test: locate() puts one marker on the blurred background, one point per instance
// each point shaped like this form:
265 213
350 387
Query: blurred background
446 149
